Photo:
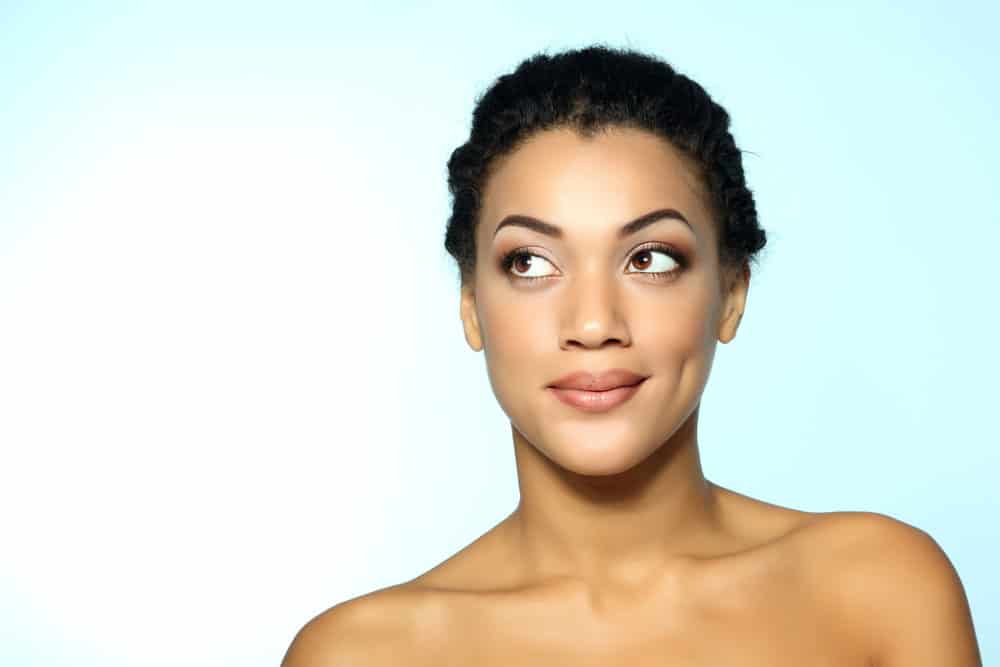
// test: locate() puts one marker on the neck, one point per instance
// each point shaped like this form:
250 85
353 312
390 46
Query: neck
618 528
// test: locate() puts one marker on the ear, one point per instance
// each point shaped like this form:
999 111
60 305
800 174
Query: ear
470 320
734 303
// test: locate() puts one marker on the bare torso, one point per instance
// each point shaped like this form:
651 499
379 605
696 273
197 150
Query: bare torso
773 598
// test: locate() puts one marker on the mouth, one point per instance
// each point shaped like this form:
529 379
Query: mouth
596 401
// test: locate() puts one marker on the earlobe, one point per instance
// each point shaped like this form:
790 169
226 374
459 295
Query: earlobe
470 321
727 332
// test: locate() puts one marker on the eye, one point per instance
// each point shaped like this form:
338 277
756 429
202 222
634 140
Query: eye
522 259
664 268
526 261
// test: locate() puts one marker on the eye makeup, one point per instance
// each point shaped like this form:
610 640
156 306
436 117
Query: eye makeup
507 262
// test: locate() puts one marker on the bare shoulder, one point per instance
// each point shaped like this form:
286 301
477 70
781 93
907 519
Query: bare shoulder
895 583
383 627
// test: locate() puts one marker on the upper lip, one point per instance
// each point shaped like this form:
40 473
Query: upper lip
600 381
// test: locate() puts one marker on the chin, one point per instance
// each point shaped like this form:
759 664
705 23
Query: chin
596 467
595 452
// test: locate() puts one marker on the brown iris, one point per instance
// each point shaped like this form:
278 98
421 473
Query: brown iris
641 253
524 259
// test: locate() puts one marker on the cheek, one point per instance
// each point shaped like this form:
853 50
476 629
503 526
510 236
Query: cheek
686 348
675 325
519 339
517 330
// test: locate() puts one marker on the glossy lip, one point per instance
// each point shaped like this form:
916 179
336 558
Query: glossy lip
596 401
600 381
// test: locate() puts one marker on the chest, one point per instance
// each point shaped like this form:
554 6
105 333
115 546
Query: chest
773 627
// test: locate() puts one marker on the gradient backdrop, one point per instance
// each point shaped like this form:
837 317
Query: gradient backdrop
234 389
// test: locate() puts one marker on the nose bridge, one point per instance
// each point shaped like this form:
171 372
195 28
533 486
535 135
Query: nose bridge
593 309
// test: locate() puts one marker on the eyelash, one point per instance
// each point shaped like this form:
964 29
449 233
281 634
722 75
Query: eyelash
508 261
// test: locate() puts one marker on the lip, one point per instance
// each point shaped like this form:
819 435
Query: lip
600 381
597 392
596 401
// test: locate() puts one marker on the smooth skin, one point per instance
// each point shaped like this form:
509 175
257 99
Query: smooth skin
620 551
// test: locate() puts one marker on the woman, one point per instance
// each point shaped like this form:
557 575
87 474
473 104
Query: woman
604 236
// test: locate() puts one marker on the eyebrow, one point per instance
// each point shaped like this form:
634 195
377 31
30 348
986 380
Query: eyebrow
629 228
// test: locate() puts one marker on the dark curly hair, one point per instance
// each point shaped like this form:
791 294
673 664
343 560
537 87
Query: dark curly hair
592 89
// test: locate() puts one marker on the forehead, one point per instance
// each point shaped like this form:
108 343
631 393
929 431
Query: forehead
559 175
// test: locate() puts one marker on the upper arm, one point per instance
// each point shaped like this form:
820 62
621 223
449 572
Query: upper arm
915 606
370 630
328 640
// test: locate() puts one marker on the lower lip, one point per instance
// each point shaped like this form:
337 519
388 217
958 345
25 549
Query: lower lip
596 401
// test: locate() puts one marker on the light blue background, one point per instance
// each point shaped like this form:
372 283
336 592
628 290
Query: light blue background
233 385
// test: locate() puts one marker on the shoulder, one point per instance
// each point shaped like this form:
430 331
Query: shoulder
377 628
895 584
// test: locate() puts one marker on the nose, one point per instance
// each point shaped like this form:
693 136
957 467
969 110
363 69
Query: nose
592 314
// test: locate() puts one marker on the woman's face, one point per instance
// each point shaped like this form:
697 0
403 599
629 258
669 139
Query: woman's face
592 299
